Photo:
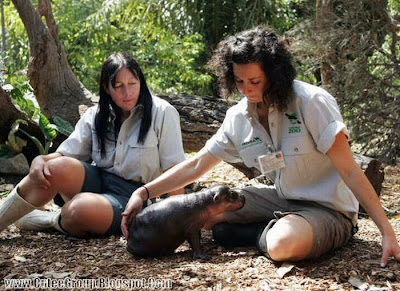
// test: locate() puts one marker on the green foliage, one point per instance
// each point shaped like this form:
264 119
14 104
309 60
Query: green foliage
360 50
23 98
171 39
62 126
16 55
98 28
48 130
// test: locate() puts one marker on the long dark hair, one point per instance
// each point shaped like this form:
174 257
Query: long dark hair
103 119
259 44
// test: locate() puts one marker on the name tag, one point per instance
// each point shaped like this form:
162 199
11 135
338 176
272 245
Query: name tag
271 162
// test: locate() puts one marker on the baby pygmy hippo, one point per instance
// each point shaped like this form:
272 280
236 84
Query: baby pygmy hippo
163 226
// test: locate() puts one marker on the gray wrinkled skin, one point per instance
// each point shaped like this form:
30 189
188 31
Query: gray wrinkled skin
163 226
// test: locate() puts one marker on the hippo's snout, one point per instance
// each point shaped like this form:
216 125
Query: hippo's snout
228 198
237 196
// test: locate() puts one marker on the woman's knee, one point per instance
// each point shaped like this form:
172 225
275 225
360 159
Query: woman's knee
85 213
76 211
64 167
66 174
291 238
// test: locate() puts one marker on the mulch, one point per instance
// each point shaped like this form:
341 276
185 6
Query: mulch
104 262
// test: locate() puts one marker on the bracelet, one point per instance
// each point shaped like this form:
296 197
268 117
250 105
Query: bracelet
147 190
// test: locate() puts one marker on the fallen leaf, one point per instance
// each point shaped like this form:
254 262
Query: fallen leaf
56 275
284 269
358 283
20 259
34 275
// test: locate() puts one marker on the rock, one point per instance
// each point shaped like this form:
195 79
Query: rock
17 165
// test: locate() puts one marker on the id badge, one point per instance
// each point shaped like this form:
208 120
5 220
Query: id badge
271 162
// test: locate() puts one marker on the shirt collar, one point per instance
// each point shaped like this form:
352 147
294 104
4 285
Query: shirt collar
251 110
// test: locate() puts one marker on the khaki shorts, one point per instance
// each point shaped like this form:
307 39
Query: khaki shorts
331 228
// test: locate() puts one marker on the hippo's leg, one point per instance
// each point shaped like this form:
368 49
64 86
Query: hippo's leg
194 241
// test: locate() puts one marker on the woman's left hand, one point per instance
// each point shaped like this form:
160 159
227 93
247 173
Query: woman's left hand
390 247
342 158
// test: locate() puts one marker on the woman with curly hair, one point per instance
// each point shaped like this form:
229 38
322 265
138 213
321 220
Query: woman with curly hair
294 134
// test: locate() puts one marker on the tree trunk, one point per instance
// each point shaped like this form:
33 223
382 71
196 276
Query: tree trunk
324 17
57 90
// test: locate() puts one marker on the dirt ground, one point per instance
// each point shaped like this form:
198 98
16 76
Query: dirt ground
104 263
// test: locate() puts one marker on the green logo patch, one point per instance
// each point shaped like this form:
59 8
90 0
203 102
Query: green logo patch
293 118
294 121
294 129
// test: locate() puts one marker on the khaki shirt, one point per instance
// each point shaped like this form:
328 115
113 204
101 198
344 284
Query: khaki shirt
127 158
304 133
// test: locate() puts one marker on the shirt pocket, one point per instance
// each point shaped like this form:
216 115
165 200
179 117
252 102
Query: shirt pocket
143 157
298 154
249 154
108 160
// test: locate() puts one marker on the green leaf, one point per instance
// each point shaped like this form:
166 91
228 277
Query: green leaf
38 144
15 126
63 126
47 129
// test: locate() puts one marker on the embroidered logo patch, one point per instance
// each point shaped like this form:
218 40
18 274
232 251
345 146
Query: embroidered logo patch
294 121
253 141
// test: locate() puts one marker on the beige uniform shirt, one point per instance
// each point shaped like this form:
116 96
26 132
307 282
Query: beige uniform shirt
127 158
304 133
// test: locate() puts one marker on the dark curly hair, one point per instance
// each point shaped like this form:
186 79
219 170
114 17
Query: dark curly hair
259 44
103 120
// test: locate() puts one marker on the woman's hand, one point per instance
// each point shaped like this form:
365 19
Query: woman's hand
38 172
342 158
390 247
133 207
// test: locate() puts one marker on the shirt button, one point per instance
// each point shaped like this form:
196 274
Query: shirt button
296 150
272 124
120 142
118 163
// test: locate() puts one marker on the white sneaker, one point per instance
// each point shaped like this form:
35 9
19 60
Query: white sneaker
39 220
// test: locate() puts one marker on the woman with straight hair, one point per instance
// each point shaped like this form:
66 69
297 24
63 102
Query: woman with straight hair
125 141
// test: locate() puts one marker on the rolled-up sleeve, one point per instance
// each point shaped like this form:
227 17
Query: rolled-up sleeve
79 144
221 143
324 120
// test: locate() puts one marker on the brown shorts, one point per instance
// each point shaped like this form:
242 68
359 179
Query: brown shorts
331 228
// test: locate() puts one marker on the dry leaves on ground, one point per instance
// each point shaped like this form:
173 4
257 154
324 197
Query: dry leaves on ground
28 255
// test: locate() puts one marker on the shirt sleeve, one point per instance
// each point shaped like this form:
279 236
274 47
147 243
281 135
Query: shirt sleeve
79 144
221 143
170 145
324 121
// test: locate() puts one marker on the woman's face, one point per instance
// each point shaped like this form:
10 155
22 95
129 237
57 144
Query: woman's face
250 80
126 91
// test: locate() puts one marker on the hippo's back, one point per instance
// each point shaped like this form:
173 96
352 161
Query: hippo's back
162 227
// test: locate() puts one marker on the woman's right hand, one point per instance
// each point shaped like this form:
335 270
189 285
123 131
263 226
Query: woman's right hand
132 208
39 170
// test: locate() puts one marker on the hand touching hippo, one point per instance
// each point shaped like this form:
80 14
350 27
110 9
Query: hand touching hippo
163 226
